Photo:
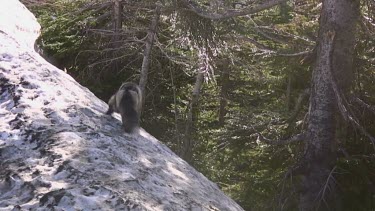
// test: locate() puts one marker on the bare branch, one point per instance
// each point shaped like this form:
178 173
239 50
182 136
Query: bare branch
302 53
175 59
343 105
109 60
96 7
363 104
106 32
327 186
287 34
367 25
297 138
254 42
348 115
369 20
103 17
230 13
267 35
267 50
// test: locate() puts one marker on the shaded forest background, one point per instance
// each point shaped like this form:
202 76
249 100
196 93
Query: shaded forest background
228 87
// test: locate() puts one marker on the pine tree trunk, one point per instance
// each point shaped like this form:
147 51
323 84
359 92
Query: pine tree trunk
147 52
333 66
117 18
116 38
188 145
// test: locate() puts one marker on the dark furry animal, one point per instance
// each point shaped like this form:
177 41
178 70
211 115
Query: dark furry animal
127 102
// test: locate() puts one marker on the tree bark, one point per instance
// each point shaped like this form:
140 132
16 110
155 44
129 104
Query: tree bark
229 13
147 52
333 67
115 39
117 18
188 145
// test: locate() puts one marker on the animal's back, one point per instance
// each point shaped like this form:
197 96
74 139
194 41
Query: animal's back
128 103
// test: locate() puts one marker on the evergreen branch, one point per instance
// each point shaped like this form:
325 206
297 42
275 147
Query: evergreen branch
230 13
268 50
95 7
267 35
287 34
297 138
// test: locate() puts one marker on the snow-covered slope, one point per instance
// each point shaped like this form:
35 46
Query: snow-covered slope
58 151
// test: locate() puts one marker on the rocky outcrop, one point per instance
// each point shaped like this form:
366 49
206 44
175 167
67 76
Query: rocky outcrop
58 151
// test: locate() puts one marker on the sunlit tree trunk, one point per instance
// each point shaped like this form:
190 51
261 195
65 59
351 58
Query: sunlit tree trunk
188 142
147 52
117 18
116 37
333 67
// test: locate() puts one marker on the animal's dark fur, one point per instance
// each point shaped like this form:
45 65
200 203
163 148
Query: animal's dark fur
127 102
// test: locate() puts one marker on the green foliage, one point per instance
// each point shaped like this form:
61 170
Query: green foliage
78 37
62 35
